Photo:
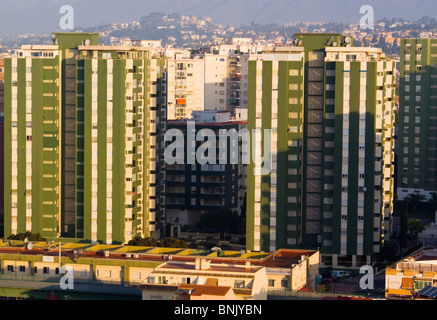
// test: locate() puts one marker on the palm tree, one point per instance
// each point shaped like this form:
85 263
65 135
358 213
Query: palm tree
433 200
415 199
404 228
415 226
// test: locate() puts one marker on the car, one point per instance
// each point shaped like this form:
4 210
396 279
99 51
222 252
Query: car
339 274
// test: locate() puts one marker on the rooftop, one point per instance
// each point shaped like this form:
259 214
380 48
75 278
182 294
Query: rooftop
199 290
282 258
211 267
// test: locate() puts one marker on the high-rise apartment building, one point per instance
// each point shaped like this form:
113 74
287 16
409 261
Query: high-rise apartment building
417 134
82 125
2 189
330 109
195 188
216 81
121 99
32 131
185 87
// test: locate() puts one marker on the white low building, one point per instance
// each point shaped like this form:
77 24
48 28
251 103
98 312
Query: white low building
165 282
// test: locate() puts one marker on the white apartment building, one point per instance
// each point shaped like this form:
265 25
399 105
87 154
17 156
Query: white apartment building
247 282
216 75
185 87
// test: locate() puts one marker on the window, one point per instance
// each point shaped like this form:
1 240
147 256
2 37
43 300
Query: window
271 282
46 270
22 269
10 268
420 284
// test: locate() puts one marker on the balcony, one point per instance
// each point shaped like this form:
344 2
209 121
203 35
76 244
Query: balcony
213 167
212 202
175 189
212 191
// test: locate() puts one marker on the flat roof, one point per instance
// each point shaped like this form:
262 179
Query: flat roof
115 48
283 49
213 267
282 258
199 289
353 49
39 47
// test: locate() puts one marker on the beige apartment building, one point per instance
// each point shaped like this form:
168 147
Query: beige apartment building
185 86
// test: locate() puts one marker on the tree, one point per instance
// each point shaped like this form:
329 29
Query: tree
144 242
403 227
173 243
415 199
415 226
221 221
389 251
27 235
433 200
152 242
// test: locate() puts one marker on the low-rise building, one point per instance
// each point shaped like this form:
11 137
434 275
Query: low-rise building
152 272
407 277
246 281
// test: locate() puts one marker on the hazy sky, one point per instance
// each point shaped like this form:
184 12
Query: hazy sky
42 16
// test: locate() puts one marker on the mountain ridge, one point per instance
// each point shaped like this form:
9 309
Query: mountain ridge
42 16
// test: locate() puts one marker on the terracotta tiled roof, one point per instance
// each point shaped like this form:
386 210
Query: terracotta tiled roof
199 290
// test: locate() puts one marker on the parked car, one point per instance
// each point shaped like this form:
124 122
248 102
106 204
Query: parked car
339 274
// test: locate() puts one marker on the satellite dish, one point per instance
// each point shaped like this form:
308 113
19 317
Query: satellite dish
26 240
347 39
29 246
335 44
87 42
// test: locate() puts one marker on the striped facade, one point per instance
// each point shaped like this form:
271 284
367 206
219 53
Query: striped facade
121 162
83 123
417 136
358 157
32 147
331 184
275 94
